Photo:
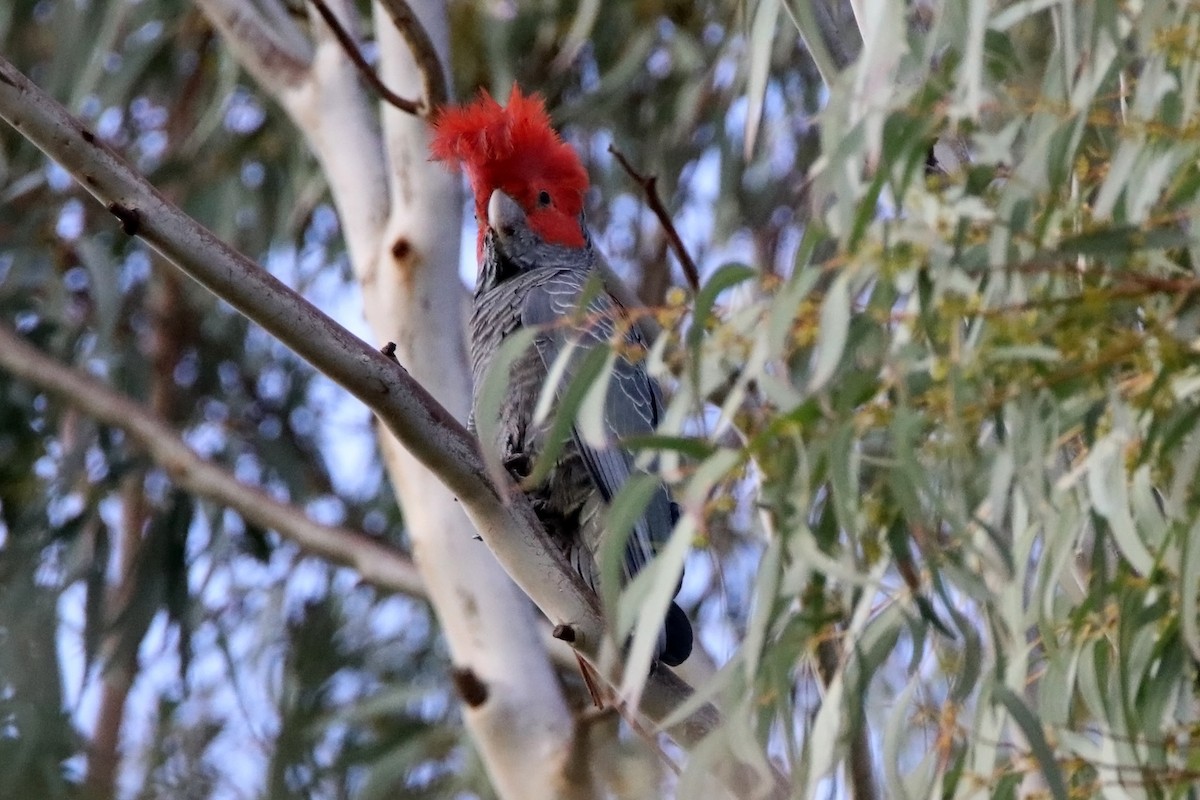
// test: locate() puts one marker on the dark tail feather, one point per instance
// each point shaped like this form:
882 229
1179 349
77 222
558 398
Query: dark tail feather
677 630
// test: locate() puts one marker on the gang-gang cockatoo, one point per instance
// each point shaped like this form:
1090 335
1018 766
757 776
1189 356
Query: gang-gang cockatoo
536 259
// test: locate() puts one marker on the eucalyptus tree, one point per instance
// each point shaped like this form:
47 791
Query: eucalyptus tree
930 416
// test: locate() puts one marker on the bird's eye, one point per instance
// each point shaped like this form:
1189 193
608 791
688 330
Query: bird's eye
543 198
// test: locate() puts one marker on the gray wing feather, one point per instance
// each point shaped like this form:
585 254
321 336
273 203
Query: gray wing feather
632 406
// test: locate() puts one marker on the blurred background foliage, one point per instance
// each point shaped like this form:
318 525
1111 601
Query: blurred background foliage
948 320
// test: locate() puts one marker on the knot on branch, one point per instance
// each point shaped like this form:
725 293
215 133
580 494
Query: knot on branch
564 633
130 218
472 690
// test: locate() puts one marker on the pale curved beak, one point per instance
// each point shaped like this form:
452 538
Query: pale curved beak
504 216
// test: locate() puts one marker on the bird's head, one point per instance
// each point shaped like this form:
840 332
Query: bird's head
527 182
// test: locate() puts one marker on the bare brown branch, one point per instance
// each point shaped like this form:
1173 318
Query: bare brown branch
433 75
365 70
861 768
167 340
649 185
103 753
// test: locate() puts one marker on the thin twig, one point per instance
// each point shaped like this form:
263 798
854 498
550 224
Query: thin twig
433 76
649 184
364 69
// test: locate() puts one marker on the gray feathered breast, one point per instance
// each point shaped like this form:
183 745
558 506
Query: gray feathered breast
572 500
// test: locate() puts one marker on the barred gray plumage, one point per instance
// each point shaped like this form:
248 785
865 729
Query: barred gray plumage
525 282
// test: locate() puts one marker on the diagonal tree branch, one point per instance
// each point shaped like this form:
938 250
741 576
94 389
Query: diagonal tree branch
378 562
502 517
282 20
